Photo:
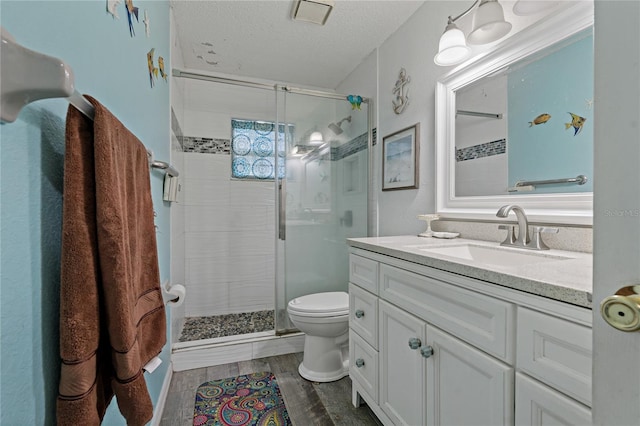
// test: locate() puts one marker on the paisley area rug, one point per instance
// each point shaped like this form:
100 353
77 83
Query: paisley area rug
251 399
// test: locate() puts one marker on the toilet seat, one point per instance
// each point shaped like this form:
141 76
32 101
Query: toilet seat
329 304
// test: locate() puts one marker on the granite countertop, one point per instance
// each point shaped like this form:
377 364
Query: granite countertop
559 278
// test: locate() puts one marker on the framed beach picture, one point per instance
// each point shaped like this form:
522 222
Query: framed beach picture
400 159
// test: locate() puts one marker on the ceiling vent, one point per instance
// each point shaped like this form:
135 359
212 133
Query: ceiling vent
316 11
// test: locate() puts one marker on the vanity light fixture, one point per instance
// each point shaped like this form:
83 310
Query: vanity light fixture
316 138
488 26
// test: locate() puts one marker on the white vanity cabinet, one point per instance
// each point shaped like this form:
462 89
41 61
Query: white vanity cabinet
430 347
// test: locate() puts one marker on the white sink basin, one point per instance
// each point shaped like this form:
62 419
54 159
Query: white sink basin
498 256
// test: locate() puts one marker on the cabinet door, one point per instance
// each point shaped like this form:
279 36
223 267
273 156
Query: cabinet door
539 405
465 386
402 369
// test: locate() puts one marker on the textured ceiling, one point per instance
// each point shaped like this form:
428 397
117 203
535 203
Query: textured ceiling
259 39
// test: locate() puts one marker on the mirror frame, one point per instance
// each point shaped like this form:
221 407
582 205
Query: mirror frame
560 208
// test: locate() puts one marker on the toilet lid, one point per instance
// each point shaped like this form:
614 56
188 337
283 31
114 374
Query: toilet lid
321 304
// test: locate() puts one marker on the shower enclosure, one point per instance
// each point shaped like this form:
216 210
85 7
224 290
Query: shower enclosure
275 179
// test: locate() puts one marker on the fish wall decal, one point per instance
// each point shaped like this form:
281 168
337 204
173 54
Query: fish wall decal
576 122
153 71
541 119
161 66
131 10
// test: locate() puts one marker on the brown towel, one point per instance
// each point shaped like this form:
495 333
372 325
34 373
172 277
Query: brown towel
112 318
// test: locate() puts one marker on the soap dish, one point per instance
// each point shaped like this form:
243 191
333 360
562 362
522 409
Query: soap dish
446 235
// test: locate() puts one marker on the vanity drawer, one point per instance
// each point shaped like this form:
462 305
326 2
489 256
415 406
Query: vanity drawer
363 365
539 405
363 314
483 321
557 352
363 272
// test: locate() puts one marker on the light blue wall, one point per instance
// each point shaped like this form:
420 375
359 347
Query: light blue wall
557 84
112 66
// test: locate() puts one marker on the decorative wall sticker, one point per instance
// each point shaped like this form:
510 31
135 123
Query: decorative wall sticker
589 103
576 122
112 8
204 51
355 101
541 119
153 71
147 24
131 10
401 91
161 66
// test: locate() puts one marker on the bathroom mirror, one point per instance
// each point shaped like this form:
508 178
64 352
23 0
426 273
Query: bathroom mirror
516 125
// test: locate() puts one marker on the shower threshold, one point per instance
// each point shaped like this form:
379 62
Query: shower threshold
218 326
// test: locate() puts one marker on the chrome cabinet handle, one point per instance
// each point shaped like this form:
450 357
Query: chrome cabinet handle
414 343
359 362
359 313
426 351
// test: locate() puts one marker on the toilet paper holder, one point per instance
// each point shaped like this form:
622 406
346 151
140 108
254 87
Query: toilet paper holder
173 295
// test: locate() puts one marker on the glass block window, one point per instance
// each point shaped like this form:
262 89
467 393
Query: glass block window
253 147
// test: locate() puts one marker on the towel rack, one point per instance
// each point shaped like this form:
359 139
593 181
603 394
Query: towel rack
531 184
479 114
27 76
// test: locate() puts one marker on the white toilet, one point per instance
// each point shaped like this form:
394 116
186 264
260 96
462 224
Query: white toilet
324 319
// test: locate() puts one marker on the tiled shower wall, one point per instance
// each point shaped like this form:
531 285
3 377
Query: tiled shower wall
229 238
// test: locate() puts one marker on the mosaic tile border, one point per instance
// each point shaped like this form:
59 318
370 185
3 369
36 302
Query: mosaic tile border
354 146
223 146
206 145
482 150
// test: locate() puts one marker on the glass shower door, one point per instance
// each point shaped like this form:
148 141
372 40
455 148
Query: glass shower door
323 196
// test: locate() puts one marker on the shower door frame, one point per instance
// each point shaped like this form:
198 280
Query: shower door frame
279 215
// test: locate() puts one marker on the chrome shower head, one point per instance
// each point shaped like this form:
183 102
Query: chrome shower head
335 128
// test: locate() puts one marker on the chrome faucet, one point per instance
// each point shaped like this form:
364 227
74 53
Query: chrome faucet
523 240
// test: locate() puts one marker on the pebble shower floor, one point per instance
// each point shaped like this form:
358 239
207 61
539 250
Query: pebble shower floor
200 328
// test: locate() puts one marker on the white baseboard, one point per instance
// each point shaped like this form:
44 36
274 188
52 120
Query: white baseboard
162 398
227 352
